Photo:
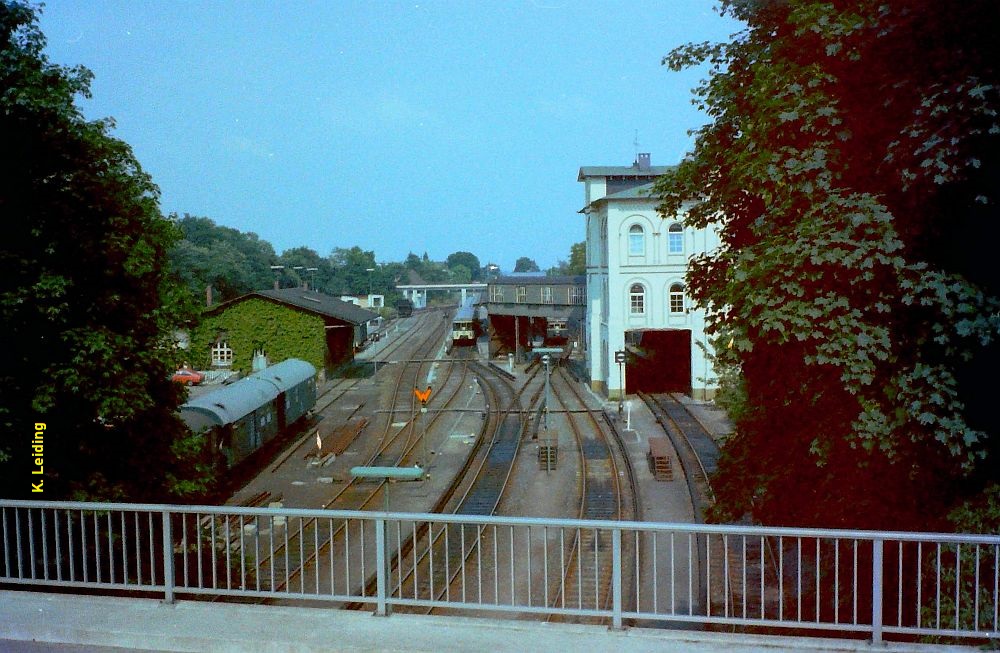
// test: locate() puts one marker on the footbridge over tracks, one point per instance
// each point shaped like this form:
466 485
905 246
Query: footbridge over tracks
417 293
161 575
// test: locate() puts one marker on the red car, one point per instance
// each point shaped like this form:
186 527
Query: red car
188 377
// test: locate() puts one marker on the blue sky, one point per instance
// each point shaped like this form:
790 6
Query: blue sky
398 127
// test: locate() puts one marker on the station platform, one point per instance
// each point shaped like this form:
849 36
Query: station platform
34 621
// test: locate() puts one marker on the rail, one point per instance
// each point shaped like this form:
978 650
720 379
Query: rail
874 584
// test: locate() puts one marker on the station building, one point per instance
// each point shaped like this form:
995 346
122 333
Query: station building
536 310
637 300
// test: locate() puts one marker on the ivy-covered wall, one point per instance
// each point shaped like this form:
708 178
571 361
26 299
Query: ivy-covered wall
257 323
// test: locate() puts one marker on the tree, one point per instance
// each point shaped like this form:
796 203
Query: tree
467 259
350 270
850 168
577 264
298 262
232 262
87 301
525 264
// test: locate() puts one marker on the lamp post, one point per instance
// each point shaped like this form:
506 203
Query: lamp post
298 269
277 275
312 277
369 271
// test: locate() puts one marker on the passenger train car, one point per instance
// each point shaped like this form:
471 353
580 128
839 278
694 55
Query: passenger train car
463 326
240 418
556 331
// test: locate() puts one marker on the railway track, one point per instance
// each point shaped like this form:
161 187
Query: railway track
607 492
443 551
738 565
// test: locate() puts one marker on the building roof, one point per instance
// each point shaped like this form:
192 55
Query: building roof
312 302
321 304
644 191
621 171
580 280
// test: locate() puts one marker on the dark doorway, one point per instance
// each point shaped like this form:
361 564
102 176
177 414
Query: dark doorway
658 361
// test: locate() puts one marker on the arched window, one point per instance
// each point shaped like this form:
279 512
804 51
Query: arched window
677 298
637 299
636 241
675 239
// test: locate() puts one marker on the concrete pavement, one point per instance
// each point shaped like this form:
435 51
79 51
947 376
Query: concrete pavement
151 625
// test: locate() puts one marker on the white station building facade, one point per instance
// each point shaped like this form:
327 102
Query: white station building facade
638 305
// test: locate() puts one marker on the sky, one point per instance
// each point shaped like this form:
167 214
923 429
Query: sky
398 127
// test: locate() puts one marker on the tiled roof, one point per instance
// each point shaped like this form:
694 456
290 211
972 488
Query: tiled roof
312 302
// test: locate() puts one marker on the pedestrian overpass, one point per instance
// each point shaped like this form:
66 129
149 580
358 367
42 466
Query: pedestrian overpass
867 585
417 293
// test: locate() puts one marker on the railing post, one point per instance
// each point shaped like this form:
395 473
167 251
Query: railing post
616 579
381 582
877 588
168 559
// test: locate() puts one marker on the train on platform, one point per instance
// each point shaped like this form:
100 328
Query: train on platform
556 332
465 326
404 308
241 418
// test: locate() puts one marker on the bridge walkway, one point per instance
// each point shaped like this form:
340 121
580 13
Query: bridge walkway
36 621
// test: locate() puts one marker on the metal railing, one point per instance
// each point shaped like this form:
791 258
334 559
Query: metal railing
872 583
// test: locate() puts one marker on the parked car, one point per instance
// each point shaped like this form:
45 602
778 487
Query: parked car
187 377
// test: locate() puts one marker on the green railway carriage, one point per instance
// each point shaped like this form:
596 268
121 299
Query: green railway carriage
240 418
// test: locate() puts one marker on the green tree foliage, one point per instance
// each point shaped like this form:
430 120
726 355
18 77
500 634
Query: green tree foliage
304 267
851 168
576 265
87 302
525 264
469 261
350 270
232 262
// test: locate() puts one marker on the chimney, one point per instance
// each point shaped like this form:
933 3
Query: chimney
208 295
642 161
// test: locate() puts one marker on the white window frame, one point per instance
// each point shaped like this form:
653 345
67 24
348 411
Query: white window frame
636 240
521 294
636 299
546 294
222 354
496 293
675 239
675 301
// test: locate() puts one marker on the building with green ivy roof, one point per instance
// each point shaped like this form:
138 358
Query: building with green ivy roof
286 323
